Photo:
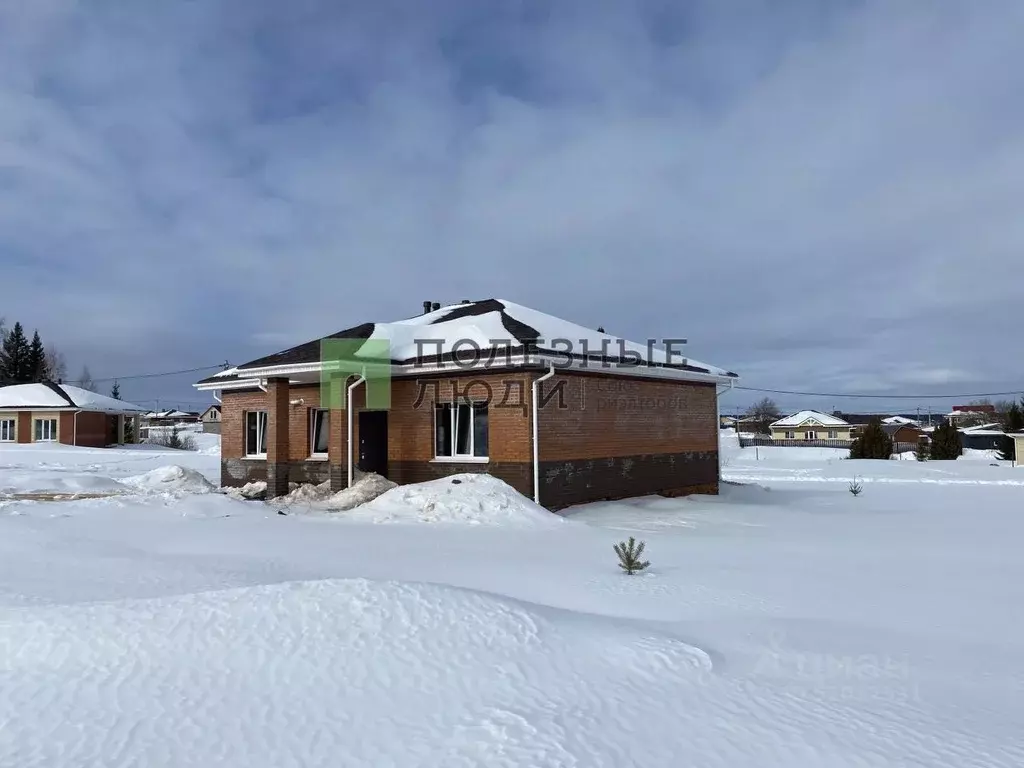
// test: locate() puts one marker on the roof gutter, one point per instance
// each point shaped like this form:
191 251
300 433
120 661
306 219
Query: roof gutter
536 448
348 415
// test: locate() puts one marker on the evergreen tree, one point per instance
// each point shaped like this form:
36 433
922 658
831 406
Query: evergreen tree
115 391
1013 422
37 358
873 443
946 445
14 357
924 449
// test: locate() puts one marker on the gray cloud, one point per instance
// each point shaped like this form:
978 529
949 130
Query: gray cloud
821 197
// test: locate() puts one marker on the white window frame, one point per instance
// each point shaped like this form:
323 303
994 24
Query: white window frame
462 458
833 434
810 434
313 413
51 428
259 435
8 434
790 435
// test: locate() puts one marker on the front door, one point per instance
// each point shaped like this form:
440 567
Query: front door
373 442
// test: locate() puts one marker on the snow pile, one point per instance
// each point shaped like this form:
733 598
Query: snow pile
365 489
474 499
170 479
305 493
253 491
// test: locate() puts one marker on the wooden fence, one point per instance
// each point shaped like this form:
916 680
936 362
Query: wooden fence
752 442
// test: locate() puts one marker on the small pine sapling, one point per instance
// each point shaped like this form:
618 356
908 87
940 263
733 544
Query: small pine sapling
856 487
629 553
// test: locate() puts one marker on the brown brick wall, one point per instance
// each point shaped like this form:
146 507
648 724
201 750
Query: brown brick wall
611 437
613 415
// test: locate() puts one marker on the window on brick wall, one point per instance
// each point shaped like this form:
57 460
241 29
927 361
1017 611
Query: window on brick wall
7 430
45 430
460 431
319 429
255 433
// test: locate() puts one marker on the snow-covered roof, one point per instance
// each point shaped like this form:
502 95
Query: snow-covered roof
900 420
50 395
810 417
985 430
459 329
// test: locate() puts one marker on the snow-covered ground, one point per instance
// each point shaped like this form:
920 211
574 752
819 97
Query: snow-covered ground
783 623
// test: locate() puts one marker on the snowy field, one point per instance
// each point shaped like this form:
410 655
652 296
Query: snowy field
153 622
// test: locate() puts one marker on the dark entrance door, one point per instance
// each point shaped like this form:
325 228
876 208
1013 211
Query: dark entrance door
373 442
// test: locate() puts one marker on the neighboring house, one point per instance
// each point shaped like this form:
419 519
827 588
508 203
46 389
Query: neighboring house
908 434
59 413
901 420
748 425
169 418
810 425
971 414
211 419
1018 444
598 427
984 437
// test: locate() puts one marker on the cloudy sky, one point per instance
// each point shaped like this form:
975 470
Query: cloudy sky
821 196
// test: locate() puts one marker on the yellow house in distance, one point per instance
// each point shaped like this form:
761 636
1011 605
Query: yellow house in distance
811 425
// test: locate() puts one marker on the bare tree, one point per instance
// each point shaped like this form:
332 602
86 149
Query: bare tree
85 379
763 413
54 364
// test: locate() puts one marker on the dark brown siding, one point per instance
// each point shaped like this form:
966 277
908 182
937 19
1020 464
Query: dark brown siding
93 430
25 427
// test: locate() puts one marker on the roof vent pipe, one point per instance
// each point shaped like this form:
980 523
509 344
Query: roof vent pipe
436 306
466 301
426 307
600 329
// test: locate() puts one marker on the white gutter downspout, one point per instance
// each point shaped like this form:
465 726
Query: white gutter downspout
262 384
216 396
536 448
348 414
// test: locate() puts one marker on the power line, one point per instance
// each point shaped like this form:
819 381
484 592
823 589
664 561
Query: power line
880 397
222 366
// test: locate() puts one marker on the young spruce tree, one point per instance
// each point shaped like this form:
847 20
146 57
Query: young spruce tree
946 445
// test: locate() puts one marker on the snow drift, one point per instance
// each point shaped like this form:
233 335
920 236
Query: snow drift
339 673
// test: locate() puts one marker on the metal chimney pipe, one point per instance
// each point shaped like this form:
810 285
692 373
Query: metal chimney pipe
437 306
426 307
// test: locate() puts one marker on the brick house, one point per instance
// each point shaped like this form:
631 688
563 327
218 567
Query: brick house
59 413
561 412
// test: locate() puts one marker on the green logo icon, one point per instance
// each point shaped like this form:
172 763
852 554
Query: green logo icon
343 360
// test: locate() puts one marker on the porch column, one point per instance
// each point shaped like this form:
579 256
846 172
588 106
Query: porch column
277 437
120 428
